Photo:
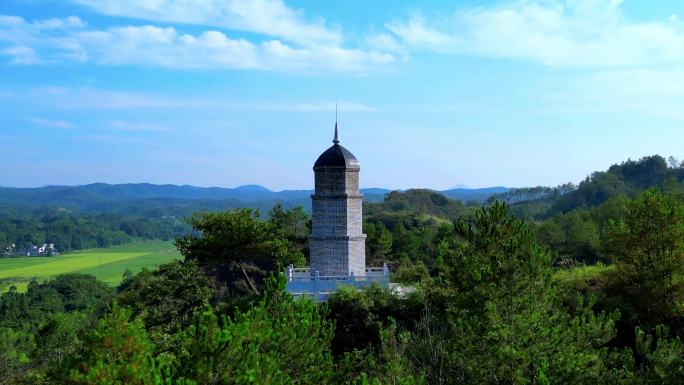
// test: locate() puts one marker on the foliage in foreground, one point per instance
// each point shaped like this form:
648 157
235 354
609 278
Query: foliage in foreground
278 341
507 322
41 327
489 313
231 239
648 249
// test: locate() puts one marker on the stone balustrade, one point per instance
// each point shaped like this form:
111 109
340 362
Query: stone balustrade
302 282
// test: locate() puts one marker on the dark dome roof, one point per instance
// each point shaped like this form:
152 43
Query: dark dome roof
337 156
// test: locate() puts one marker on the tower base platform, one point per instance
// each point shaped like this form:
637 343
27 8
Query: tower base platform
302 282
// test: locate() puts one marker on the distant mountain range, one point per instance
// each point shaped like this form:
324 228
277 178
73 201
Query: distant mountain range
113 197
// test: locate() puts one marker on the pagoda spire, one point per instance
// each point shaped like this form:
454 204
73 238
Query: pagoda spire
336 139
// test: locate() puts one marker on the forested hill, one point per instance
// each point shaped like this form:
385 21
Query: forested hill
570 219
100 197
415 204
483 288
141 197
626 179
102 214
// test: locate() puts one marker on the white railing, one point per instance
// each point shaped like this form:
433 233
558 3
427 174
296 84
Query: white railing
303 282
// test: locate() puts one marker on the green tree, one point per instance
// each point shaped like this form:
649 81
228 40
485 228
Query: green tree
232 237
361 316
390 365
59 337
15 307
117 352
648 249
614 209
551 234
42 326
378 241
411 273
660 357
507 320
167 299
14 354
78 292
278 341
582 242
294 223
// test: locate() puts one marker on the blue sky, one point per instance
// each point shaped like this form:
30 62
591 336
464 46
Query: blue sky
431 94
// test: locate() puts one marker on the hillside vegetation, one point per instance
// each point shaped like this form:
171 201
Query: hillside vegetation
136 198
490 307
101 215
570 285
71 231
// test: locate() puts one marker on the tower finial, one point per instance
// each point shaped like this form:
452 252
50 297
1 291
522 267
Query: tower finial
336 140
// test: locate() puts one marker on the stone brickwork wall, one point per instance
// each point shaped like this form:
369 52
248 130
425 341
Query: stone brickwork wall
337 240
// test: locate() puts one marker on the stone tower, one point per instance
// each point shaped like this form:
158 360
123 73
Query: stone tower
338 245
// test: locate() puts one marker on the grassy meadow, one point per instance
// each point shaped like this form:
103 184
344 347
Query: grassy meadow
107 264
582 273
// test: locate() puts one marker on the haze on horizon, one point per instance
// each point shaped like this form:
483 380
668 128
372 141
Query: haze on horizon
230 92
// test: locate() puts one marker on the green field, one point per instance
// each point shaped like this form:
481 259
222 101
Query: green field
107 264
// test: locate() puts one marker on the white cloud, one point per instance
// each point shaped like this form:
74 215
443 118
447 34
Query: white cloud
164 47
98 99
572 33
266 17
50 123
120 125
20 54
346 106
22 41
68 39
648 92
92 98
384 42
415 33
